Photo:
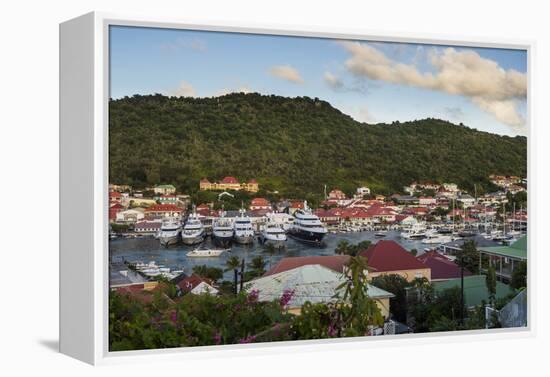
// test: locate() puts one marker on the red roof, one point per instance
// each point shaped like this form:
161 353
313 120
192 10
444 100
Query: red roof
117 206
230 180
257 202
388 255
252 181
204 180
163 208
187 284
441 266
297 205
334 262
114 194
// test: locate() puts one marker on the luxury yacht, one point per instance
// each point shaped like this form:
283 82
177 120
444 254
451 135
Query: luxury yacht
244 233
273 233
193 232
170 231
307 227
222 230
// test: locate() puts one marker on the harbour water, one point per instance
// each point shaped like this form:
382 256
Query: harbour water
174 257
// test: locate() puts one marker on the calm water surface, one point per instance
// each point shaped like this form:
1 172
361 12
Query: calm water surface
174 257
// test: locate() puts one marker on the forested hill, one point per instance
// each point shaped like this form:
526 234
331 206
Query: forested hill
294 145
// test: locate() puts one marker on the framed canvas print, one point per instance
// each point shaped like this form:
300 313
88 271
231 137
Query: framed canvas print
226 187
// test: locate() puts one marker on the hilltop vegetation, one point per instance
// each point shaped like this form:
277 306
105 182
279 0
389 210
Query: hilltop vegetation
295 146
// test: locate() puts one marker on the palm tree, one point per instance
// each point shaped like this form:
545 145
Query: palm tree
270 249
257 264
342 247
233 263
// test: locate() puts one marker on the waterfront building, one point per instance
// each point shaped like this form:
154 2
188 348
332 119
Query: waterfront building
148 227
130 215
388 257
466 200
259 204
158 211
119 188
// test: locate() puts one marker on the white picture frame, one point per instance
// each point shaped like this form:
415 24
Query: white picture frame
84 95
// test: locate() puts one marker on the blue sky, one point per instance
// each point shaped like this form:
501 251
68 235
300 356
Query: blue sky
371 81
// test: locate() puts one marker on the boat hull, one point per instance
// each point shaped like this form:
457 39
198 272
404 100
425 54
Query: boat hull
168 240
192 240
307 237
244 239
222 240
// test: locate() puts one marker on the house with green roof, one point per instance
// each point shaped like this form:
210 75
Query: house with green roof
475 289
505 259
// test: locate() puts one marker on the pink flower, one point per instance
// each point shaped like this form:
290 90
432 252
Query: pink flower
286 297
253 296
248 339
173 316
218 338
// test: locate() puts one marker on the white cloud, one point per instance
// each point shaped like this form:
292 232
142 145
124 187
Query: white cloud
184 90
286 72
465 73
333 81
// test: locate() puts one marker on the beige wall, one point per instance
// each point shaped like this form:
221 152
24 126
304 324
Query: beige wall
410 275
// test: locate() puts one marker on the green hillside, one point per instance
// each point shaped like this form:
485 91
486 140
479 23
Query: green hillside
295 145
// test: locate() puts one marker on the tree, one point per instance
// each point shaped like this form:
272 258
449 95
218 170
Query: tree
414 252
468 257
342 248
519 276
212 273
491 283
257 266
397 285
233 263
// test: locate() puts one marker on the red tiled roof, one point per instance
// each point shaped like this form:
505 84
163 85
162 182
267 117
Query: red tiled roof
114 194
230 179
187 284
259 202
441 266
388 255
297 205
334 262
163 208
116 206
252 181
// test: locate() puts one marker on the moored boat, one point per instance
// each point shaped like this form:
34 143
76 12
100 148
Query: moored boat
307 227
170 231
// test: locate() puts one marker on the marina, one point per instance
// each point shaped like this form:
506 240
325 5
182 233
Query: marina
135 250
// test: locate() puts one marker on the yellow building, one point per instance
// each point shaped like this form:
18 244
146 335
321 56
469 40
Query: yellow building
228 183
390 258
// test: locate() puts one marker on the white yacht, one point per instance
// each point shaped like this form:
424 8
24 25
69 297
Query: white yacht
416 231
222 230
193 232
170 231
307 227
272 233
284 220
244 232
436 238
206 253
